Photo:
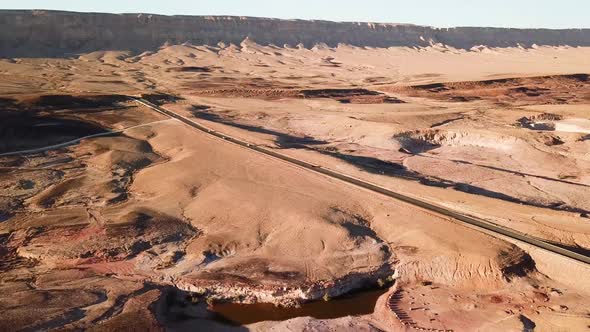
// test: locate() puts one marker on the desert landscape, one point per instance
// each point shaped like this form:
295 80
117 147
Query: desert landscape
163 173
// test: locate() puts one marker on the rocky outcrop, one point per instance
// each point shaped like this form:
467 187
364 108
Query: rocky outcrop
53 33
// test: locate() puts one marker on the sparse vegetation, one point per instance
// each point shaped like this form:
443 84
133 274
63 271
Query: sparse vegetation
194 299
210 301
152 216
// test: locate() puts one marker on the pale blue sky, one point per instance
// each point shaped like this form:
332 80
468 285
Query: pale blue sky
441 13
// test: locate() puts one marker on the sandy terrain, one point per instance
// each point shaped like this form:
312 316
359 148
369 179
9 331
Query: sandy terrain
154 222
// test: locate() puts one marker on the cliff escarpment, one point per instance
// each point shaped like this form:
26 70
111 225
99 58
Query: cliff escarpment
35 33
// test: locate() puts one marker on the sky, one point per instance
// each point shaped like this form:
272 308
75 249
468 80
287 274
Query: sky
439 13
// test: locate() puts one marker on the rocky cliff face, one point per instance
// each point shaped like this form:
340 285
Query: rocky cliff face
52 33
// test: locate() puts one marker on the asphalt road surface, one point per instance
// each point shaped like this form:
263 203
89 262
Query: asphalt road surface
456 216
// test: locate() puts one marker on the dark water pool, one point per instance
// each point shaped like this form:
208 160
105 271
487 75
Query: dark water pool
360 303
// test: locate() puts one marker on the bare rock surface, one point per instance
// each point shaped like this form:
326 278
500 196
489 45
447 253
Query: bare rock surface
51 33
111 213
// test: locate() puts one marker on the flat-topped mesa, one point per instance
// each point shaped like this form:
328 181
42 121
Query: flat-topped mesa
35 33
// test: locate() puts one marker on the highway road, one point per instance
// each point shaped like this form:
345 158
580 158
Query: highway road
454 215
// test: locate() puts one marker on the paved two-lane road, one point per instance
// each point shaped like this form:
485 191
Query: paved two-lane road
454 215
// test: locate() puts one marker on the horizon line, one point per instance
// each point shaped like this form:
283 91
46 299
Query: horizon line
290 19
